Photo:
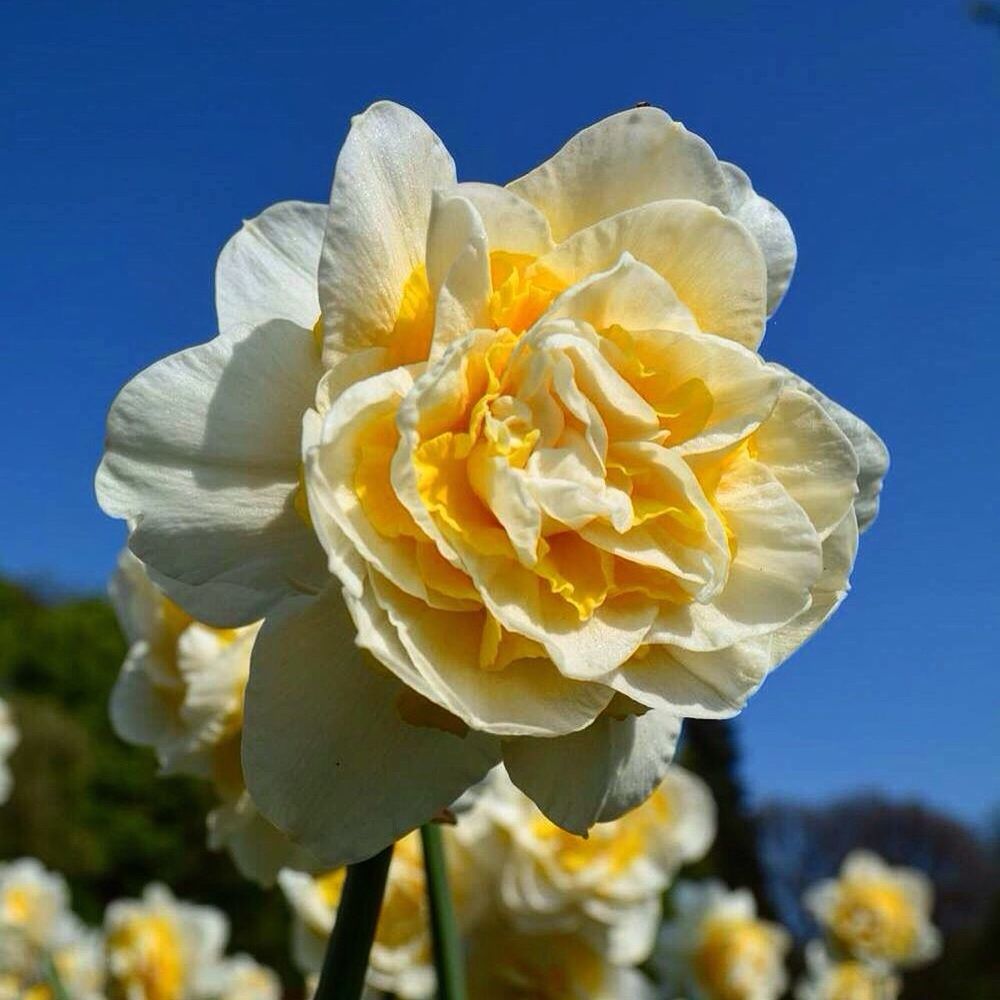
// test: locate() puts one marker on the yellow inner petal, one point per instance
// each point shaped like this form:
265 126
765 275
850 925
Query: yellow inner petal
155 958
875 917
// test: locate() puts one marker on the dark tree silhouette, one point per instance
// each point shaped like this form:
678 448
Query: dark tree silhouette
711 749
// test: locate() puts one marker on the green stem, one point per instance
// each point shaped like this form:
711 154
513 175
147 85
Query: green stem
444 930
54 980
346 961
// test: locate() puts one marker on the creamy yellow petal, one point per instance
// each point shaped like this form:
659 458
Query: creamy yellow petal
811 457
621 162
712 262
525 697
376 231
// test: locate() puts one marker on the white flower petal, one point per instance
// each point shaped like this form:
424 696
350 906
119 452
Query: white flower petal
268 269
142 713
811 457
512 224
623 161
873 456
712 262
203 459
597 774
376 231
769 228
327 757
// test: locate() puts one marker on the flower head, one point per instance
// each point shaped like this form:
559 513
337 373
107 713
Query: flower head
159 948
717 948
34 902
606 887
180 691
519 442
844 979
878 913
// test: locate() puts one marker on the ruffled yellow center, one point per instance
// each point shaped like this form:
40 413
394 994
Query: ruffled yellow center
874 917
733 957
518 419
854 981
22 905
154 960
522 291
610 846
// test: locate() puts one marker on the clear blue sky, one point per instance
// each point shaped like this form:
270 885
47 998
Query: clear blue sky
143 133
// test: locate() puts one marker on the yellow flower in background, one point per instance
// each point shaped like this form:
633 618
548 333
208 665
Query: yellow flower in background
180 691
563 499
159 948
34 902
79 960
507 964
401 960
715 947
9 738
607 887
846 979
876 912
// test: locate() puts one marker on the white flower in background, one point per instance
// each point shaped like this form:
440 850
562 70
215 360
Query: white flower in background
828 978
244 978
9 738
715 947
401 959
544 460
876 912
159 948
608 886
34 902
507 964
180 691
78 956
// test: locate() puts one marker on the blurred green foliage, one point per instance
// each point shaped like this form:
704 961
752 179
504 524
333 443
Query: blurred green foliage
92 807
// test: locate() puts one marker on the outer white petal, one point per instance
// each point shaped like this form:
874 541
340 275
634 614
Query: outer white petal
136 601
625 160
769 228
712 262
597 774
259 849
268 269
811 457
873 455
512 224
141 712
203 459
325 753
376 231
